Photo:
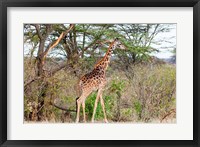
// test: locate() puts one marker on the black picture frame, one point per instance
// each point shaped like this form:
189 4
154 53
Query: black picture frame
4 4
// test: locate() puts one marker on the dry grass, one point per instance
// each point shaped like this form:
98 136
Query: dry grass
145 93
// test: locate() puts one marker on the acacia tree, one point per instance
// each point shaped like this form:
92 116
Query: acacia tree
139 39
40 35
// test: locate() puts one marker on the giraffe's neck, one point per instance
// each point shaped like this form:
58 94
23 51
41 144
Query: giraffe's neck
103 63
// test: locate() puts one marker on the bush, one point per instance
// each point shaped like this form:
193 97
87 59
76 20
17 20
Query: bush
108 101
147 93
154 91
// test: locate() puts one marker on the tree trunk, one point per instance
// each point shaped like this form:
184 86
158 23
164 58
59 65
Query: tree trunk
40 66
38 113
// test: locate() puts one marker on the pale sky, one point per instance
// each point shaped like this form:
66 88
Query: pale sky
165 47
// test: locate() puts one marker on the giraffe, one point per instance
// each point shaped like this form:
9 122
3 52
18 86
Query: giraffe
95 81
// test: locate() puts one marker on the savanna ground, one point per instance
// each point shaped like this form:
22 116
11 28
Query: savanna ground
140 88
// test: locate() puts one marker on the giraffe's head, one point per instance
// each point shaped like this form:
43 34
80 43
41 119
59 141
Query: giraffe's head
118 44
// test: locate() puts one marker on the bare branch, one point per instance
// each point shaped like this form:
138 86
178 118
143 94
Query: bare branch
31 81
168 114
153 34
64 65
51 73
58 40
61 106
38 31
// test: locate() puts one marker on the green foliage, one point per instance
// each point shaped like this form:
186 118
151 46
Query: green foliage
126 114
117 85
138 108
99 112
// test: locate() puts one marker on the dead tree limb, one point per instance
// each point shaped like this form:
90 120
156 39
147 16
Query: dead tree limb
168 114
32 80
50 74
62 35
61 106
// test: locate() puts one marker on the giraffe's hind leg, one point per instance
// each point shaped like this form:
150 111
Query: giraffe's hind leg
103 107
79 101
83 106
78 105
95 104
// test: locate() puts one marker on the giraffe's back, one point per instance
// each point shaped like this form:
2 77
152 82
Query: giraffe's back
93 80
